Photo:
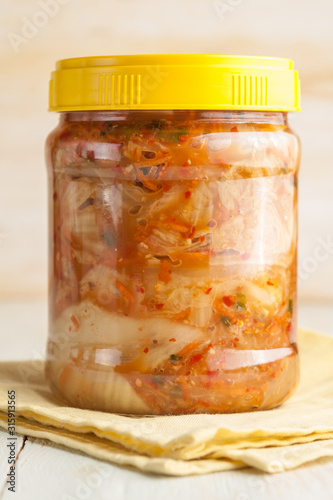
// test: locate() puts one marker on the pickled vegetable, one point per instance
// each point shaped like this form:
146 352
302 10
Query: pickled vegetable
173 265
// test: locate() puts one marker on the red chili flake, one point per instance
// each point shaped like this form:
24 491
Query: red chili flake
195 359
227 300
187 194
208 290
185 164
202 238
246 256
255 321
159 306
172 340
91 155
182 138
166 186
139 289
247 389
270 283
146 350
236 339
234 129
191 232
55 196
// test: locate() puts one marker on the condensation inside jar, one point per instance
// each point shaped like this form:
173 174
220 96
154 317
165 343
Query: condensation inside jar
173 261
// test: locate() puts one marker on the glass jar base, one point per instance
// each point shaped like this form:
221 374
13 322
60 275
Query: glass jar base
250 389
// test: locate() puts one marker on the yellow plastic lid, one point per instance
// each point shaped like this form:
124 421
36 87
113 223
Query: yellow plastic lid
175 82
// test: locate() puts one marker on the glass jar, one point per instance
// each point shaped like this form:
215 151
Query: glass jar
173 243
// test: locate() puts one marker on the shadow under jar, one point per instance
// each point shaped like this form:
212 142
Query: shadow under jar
173 252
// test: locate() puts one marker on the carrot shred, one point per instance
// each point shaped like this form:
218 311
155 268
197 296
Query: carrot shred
164 274
64 374
75 322
124 291
177 226
182 314
191 234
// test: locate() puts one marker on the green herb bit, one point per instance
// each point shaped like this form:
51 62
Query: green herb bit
123 132
102 134
290 306
109 239
175 358
226 320
239 306
176 391
241 298
154 125
241 301
145 170
158 380
173 136
109 126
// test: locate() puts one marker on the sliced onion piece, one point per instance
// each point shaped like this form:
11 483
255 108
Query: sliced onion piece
102 389
80 325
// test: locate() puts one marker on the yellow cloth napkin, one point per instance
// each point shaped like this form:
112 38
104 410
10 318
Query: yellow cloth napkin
299 431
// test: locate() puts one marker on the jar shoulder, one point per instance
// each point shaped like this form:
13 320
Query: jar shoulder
267 148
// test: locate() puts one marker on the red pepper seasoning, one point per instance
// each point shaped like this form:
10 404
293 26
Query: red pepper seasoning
228 302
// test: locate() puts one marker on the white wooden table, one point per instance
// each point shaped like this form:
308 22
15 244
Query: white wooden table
49 472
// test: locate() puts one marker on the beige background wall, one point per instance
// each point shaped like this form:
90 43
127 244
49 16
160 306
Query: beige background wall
31 42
